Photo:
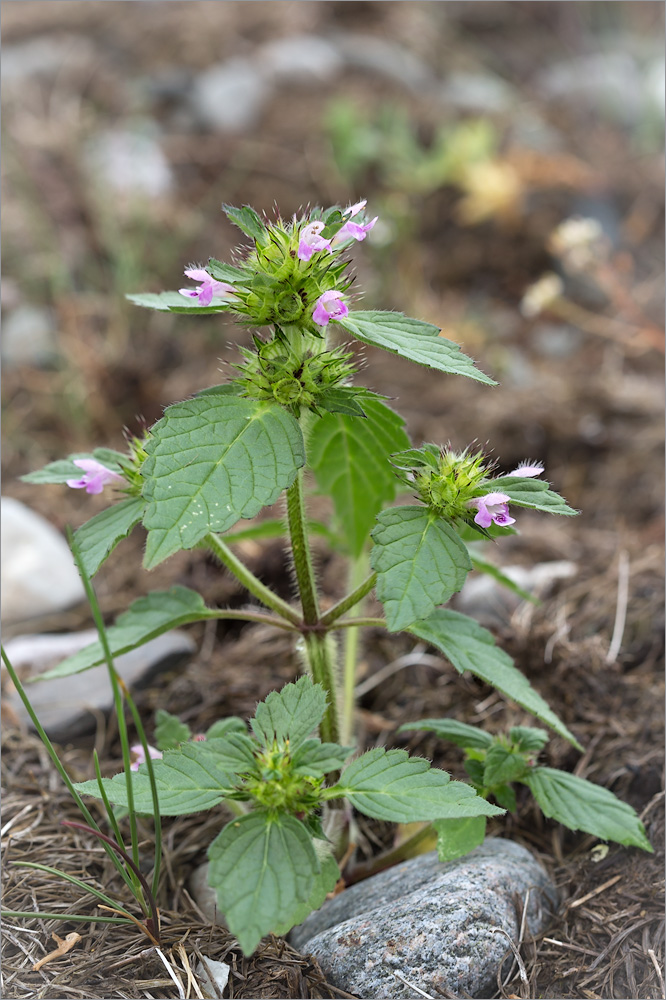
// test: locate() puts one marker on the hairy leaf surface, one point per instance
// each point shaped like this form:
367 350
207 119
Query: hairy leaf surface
531 493
457 837
98 537
456 732
291 713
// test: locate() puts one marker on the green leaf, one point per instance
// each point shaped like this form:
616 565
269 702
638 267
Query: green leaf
342 399
528 739
531 493
248 221
456 732
98 537
234 752
350 459
232 724
457 837
324 882
502 766
290 714
393 786
483 566
145 619
420 562
227 272
188 780
316 758
64 468
468 646
263 867
505 796
170 732
212 460
412 339
177 303
582 805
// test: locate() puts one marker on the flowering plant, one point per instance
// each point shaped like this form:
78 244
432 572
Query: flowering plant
234 449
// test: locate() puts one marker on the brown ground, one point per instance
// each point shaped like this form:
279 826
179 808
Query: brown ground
593 416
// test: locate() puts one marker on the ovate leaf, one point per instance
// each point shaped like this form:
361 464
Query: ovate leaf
502 766
324 882
212 460
412 339
232 724
177 303
188 780
582 805
531 493
234 752
291 713
317 759
456 732
393 786
98 537
468 646
248 221
420 562
64 468
457 837
350 459
263 867
145 619
170 732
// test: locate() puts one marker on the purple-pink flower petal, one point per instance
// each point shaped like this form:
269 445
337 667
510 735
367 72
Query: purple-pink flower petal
139 755
492 507
310 240
527 469
329 306
95 478
208 287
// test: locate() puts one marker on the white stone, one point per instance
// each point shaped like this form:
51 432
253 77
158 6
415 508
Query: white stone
130 162
485 599
219 971
39 575
28 337
481 92
230 96
299 58
68 706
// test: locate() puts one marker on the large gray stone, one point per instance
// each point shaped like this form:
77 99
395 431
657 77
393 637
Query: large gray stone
230 96
440 926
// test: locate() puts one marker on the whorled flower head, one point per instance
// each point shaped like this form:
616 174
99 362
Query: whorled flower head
95 476
208 287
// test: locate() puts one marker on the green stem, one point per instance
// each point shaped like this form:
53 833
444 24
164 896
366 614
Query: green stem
359 587
76 917
361 590
300 548
249 580
360 623
321 658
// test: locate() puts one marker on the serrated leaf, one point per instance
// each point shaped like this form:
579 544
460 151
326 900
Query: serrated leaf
502 766
420 562
531 493
212 460
98 537
177 303
350 460
263 867
412 339
64 468
188 780
468 646
234 752
324 882
582 805
248 221
222 271
290 714
317 759
393 786
505 796
528 739
456 732
457 837
170 732
145 619
341 399
232 724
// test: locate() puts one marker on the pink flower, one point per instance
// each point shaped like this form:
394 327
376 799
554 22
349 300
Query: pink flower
95 477
311 240
139 756
329 306
208 287
352 229
527 470
492 507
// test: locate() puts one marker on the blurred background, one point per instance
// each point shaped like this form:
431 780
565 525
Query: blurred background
475 131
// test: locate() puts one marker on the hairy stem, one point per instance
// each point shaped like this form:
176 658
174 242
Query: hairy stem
249 580
361 588
358 585
300 549
320 653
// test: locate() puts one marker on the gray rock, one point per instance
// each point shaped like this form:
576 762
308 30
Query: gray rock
130 162
299 59
491 604
440 926
556 340
67 706
384 58
480 92
230 97
44 55
28 337
203 895
39 575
